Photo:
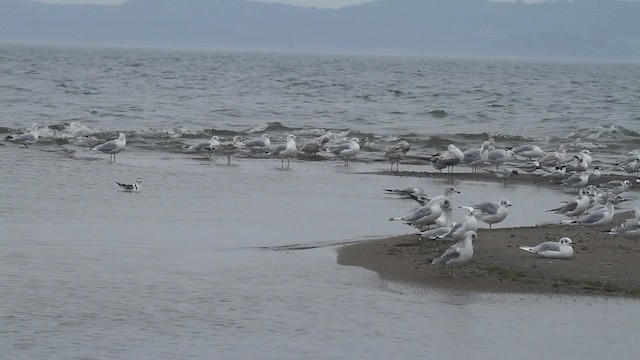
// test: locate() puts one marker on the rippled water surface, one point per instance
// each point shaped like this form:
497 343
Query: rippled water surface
198 264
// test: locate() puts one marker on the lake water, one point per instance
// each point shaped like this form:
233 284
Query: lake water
204 262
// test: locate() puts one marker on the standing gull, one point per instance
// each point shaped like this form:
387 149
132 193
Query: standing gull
208 145
230 147
476 156
529 151
347 150
448 159
112 147
630 228
492 213
458 254
499 156
561 249
26 139
262 143
394 154
576 206
426 215
458 230
554 158
286 150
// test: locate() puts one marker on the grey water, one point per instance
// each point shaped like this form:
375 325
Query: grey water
238 261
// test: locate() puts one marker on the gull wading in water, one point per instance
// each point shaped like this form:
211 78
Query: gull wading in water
458 254
448 159
347 150
258 144
576 206
394 154
208 145
560 249
112 147
286 150
135 187
230 147
25 139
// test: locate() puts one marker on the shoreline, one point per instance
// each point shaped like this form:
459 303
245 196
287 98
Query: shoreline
602 264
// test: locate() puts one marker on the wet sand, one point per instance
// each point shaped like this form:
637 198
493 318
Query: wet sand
602 264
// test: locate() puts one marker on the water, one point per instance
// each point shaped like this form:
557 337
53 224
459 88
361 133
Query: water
197 265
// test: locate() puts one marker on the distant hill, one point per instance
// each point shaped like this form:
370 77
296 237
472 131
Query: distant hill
597 29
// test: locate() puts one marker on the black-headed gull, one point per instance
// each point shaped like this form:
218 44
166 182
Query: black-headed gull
560 249
135 187
575 206
27 138
426 215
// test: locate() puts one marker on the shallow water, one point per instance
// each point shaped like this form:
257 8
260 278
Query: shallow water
187 267
198 264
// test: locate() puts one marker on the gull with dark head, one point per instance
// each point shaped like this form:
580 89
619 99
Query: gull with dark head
560 249
135 187
26 139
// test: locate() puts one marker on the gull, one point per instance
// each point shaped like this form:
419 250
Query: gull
112 147
395 154
448 159
230 147
630 228
554 158
560 249
492 213
311 147
616 186
135 187
602 196
347 150
601 216
529 151
631 166
499 156
448 191
502 173
286 150
586 156
529 167
208 145
595 175
406 192
574 207
426 215
576 181
458 254
559 173
458 230
258 144
434 234
476 156
404 145
578 165
27 138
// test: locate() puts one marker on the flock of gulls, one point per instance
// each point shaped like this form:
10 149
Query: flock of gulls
432 218
574 172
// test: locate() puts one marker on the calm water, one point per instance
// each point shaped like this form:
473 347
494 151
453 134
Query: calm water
197 264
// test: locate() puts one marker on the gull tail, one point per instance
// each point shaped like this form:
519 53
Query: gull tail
565 222
119 184
527 248
395 219
392 191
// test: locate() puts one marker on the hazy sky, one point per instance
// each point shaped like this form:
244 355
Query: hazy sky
318 3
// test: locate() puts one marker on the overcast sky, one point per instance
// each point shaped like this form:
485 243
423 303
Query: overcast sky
317 3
